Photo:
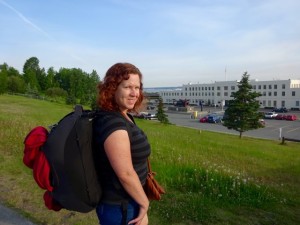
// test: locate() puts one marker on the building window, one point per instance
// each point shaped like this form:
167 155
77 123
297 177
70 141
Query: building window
297 103
225 93
232 88
218 94
283 86
264 93
259 87
283 93
265 86
270 86
275 93
293 93
282 103
270 93
254 87
275 86
218 88
225 88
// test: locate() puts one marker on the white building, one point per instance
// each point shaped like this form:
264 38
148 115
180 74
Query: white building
275 93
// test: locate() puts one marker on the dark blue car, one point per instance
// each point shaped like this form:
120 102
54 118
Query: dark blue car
214 119
280 110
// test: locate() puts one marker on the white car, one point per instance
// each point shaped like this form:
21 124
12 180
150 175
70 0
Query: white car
270 115
150 116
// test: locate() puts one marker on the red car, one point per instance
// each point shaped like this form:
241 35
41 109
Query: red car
291 117
280 117
203 119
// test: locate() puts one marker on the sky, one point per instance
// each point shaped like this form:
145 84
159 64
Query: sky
172 42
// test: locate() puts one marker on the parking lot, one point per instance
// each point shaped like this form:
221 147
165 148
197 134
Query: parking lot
274 129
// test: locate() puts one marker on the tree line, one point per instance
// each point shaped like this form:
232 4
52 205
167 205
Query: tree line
71 85
76 86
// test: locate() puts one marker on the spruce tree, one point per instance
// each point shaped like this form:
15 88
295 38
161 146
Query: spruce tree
161 116
242 112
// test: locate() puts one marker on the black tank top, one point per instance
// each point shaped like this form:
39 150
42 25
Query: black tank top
104 125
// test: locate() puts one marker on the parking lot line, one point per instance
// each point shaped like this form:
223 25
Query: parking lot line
276 127
298 128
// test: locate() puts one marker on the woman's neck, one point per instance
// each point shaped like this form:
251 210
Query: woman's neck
126 116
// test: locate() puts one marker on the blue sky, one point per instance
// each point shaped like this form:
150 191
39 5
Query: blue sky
173 42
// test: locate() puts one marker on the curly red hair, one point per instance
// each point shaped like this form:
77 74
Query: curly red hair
113 77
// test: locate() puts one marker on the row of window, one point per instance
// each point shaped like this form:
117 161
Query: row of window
264 103
258 87
270 103
270 86
208 88
275 93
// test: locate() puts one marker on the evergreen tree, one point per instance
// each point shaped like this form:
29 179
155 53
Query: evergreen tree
242 112
161 115
3 78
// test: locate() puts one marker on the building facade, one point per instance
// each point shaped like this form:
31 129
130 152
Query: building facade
275 93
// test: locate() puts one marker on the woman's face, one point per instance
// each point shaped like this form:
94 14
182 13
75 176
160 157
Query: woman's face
128 93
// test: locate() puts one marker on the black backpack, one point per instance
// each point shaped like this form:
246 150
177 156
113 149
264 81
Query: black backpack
68 150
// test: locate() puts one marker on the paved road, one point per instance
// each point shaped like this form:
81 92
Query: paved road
274 129
10 217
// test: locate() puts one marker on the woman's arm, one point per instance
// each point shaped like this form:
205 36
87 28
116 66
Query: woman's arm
117 148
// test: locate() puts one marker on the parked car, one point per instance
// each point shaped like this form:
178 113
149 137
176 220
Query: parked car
291 117
270 115
280 110
203 119
141 115
214 119
280 117
150 116
150 107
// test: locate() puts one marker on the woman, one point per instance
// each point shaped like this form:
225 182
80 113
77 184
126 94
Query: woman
122 148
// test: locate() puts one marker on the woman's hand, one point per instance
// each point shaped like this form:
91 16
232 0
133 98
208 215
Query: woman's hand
142 219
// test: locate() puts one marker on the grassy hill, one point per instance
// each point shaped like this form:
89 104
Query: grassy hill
210 178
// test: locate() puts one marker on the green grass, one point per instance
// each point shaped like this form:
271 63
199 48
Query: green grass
210 178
